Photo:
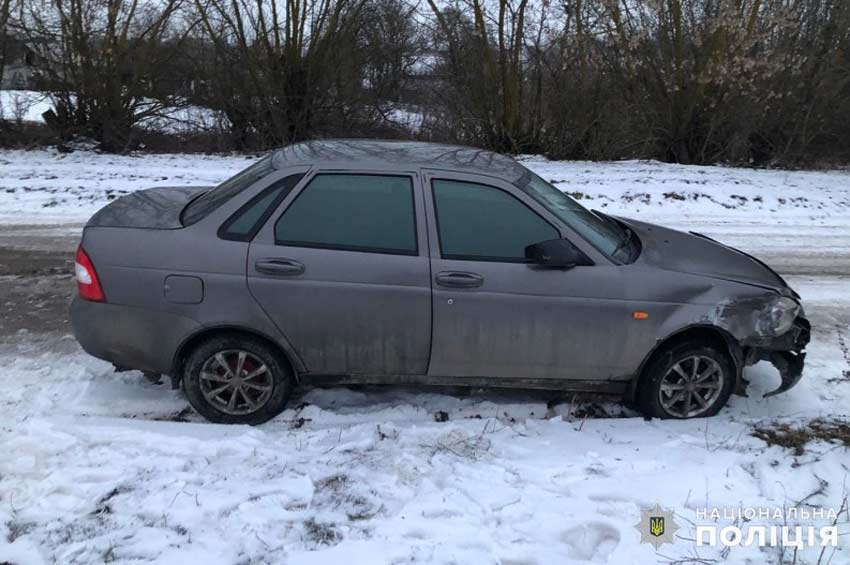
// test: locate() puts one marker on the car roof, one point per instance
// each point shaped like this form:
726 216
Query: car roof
400 155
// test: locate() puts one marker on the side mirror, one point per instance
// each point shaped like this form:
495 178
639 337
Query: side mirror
556 254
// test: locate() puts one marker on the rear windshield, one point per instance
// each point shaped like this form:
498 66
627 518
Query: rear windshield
201 206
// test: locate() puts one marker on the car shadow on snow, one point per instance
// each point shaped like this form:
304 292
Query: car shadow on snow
130 395
440 403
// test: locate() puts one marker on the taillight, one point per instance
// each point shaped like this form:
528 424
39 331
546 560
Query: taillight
87 283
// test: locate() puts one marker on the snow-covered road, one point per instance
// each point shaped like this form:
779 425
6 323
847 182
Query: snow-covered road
106 467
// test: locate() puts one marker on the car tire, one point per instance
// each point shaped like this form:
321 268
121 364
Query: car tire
260 392
668 392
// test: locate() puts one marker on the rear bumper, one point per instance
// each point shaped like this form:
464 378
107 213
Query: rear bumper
129 337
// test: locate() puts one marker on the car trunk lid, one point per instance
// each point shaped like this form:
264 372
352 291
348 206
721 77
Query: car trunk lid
154 208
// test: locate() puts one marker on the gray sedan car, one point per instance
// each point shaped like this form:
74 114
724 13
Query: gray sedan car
398 262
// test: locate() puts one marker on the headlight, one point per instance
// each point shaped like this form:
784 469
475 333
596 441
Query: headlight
782 313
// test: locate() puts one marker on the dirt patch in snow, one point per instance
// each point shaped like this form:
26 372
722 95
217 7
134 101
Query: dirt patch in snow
796 438
36 287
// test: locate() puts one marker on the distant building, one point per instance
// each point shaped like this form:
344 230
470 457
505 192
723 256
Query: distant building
20 67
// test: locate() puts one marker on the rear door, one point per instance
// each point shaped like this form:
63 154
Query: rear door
496 315
342 270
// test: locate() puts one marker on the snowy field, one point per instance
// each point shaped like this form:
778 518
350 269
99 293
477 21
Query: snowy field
106 467
27 106
47 187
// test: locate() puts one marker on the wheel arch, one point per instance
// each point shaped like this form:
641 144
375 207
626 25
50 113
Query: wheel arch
705 333
191 341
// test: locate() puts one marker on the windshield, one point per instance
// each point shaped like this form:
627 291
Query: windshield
198 208
602 232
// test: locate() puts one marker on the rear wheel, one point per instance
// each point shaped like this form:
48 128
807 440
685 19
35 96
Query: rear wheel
236 379
687 381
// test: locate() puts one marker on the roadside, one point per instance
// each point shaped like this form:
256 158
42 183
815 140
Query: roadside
36 279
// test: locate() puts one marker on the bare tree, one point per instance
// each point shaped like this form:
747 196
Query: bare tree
7 8
584 111
391 45
485 63
691 81
101 62
282 72
9 129
704 73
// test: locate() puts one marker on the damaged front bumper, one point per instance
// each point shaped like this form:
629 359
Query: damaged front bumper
786 352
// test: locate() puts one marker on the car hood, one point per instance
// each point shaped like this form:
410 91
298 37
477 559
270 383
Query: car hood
697 254
154 208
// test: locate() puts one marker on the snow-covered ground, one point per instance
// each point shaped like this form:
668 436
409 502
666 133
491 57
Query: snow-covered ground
23 105
47 186
106 467
29 105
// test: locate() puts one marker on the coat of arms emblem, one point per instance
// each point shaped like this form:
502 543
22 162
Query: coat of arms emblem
656 526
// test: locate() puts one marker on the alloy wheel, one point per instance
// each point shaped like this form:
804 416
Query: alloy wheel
691 386
236 382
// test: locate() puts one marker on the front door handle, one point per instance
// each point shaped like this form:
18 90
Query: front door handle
458 279
279 267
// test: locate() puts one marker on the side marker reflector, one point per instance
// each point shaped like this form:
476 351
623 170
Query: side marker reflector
640 315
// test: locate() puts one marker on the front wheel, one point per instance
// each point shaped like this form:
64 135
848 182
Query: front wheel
687 381
236 379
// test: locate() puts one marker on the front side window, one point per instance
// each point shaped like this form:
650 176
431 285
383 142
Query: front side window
480 222
606 235
352 212
201 206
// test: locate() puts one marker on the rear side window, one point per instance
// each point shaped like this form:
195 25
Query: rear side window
244 224
200 207
371 213
479 222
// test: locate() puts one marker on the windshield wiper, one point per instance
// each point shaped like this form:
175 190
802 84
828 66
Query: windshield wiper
620 227
627 234
625 241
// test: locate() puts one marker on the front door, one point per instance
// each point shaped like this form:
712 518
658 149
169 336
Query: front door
495 315
343 272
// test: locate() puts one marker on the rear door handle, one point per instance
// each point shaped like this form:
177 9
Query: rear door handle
458 279
279 267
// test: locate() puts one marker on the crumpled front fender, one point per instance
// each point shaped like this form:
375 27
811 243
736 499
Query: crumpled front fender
785 352
790 366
